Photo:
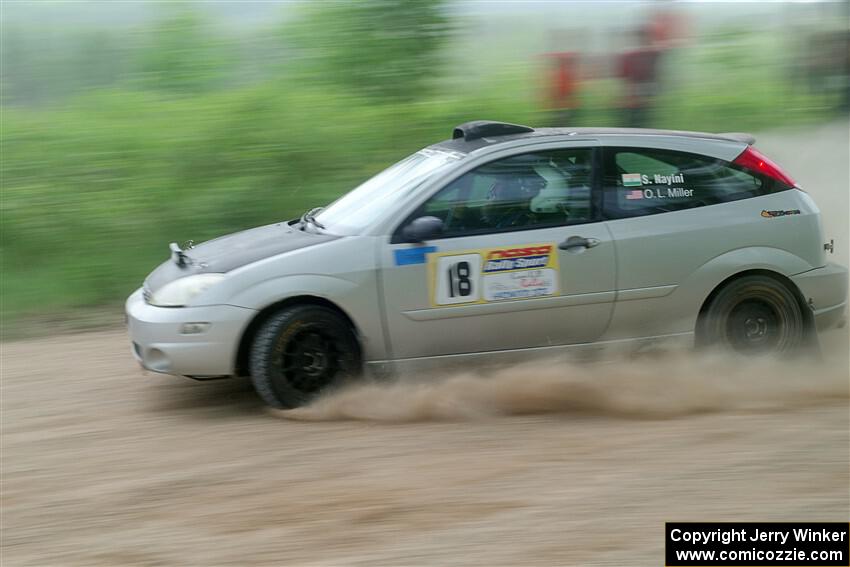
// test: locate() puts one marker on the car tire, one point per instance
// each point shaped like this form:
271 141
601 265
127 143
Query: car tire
753 315
300 352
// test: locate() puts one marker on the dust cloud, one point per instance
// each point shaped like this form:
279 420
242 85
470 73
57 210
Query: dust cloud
662 385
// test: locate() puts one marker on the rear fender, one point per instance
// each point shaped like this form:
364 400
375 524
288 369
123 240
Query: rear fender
677 311
696 289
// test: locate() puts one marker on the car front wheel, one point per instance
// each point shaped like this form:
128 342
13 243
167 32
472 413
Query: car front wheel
300 352
753 315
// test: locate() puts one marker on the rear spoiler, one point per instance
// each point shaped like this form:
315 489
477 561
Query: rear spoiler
748 139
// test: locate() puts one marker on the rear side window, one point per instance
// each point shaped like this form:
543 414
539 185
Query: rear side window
643 181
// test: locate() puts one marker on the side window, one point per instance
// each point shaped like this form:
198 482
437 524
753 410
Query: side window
642 181
521 192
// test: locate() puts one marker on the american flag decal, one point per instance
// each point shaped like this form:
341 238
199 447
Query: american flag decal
634 194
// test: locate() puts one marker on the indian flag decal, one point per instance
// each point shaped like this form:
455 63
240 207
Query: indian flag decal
631 180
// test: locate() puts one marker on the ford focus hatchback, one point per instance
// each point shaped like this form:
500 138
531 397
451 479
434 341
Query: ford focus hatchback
500 243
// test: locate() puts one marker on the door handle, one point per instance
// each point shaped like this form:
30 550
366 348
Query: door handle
578 242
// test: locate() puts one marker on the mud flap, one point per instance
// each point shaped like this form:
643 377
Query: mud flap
810 346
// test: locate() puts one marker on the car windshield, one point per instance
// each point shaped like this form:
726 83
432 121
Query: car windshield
359 208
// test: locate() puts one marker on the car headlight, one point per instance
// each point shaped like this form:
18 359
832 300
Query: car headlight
180 292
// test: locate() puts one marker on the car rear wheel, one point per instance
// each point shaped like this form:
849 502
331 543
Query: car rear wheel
753 315
300 352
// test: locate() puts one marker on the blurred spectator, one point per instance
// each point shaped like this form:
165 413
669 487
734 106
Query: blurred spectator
844 68
639 70
563 74
667 27
826 65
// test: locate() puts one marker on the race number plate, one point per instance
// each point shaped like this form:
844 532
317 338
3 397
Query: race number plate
493 274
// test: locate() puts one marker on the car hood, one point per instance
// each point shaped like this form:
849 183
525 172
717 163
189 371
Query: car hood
232 251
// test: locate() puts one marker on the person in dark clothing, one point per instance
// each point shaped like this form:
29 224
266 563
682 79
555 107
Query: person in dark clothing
639 70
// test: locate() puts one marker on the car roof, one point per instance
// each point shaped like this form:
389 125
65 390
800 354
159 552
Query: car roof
475 135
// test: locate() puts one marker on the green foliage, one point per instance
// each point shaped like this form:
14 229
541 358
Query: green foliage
181 56
93 193
388 49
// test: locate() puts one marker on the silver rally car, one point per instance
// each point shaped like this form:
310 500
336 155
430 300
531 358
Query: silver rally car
503 242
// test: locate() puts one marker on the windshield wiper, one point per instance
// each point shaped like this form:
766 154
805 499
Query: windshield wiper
310 217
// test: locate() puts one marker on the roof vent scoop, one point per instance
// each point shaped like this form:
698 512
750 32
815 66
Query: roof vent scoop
482 128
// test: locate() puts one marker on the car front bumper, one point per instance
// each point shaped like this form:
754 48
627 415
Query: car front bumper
825 290
189 341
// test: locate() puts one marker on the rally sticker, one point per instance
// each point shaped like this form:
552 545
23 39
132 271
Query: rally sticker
632 180
520 285
773 214
662 193
641 179
667 191
493 274
415 255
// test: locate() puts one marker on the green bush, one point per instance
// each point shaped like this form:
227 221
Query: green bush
93 193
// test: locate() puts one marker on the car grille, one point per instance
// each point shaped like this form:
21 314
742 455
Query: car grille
146 294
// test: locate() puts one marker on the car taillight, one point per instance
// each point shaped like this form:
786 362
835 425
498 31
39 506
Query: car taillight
753 160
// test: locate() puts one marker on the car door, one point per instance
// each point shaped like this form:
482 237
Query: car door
522 260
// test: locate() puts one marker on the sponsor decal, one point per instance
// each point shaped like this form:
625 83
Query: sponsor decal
668 179
410 256
493 274
638 179
679 192
773 214
632 180
668 193
654 192
520 285
660 193
505 259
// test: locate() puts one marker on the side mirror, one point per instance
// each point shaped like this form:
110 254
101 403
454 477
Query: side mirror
422 229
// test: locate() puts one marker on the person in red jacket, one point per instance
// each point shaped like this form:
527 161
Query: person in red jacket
563 86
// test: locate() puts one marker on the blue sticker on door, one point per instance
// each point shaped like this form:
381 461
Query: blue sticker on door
410 256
